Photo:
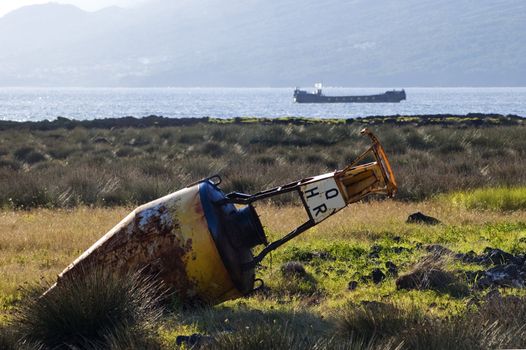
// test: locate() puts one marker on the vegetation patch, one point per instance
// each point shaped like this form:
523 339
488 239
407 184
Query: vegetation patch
496 198
98 311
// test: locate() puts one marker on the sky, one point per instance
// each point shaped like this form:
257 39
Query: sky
88 5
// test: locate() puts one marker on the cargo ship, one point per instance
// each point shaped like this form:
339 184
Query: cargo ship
392 96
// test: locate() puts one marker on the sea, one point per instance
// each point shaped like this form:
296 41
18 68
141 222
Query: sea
34 104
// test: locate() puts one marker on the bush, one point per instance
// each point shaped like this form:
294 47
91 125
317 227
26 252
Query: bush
97 310
427 160
429 273
29 155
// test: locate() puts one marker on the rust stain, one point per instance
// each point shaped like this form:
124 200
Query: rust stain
147 243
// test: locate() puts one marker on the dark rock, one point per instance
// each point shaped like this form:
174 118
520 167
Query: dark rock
459 256
352 285
499 257
374 255
195 340
470 257
392 269
505 276
397 239
377 276
374 252
472 276
293 269
483 282
375 248
438 249
420 218
399 250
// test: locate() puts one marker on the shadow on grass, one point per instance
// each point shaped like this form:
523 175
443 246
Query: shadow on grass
244 328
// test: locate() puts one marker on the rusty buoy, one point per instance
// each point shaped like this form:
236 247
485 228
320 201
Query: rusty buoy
199 241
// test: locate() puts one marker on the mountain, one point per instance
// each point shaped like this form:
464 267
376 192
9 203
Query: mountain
268 43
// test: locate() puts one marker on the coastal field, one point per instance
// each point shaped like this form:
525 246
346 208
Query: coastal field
364 279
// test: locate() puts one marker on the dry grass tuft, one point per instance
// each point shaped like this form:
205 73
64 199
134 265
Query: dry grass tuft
429 273
99 310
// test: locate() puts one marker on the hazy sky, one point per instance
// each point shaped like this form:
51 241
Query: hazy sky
88 5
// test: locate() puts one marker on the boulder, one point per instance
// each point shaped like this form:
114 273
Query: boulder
392 269
352 285
499 257
420 218
377 276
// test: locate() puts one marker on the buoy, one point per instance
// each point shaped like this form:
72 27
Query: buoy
199 240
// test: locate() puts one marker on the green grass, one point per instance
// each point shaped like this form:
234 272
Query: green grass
33 246
499 198
103 173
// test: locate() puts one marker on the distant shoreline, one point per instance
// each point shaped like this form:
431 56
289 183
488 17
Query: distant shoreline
470 119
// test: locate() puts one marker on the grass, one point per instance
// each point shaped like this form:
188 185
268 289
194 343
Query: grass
103 173
131 165
98 311
500 198
332 254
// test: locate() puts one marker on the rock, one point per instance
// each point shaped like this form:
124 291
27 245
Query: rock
499 257
392 269
420 218
375 248
399 250
374 253
438 249
505 276
293 269
484 282
397 239
352 285
470 257
472 276
377 276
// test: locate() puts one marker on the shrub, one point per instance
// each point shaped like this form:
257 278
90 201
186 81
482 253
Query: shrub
429 273
29 155
96 310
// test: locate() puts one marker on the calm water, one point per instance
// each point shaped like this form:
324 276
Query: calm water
86 103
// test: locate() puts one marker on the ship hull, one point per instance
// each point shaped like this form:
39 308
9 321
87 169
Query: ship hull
387 97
